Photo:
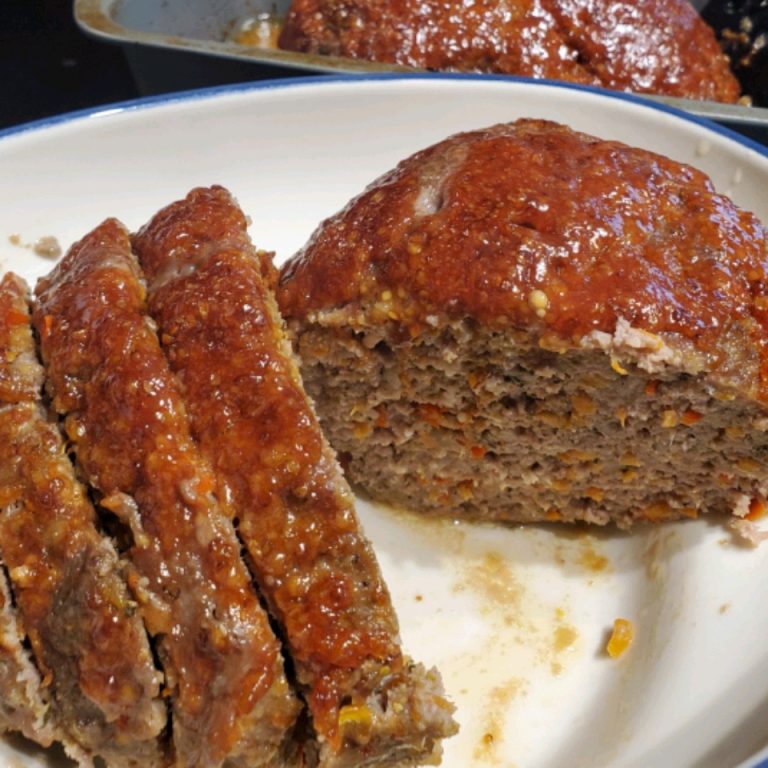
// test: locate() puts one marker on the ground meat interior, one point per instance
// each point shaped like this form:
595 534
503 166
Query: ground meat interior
463 422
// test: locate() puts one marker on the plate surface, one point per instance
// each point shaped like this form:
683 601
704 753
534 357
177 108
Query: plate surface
516 619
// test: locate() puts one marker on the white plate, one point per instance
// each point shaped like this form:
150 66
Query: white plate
515 619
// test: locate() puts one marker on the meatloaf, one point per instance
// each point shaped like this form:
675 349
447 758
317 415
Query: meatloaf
210 293
526 323
648 46
67 580
231 702
24 701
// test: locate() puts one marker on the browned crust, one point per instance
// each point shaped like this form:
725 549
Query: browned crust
21 377
208 292
648 46
129 429
73 601
92 651
534 228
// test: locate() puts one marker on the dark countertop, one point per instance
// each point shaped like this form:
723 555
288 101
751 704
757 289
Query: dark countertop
48 66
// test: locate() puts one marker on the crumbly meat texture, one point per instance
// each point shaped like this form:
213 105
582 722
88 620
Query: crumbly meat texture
649 46
24 702
528 323
209 291
124 415
469 423
91 649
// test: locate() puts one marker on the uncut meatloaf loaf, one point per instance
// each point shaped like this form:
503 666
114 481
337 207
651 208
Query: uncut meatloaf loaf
210 293
526 323
648 46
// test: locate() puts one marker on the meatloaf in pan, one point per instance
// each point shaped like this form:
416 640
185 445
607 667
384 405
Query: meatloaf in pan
231 703
68 583
526 323
647 46
209 291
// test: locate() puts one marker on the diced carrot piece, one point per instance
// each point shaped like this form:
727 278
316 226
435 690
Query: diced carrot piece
690 417
757 509
621 638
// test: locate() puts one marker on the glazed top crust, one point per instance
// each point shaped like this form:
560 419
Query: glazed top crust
535 227
21 377
208 291
127 421
73 603
648 46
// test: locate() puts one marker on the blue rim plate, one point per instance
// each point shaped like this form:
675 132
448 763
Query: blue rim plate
197 94
296 150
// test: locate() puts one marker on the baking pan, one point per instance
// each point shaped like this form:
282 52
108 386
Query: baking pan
178 44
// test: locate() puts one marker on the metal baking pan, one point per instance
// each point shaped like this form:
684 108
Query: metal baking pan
177 44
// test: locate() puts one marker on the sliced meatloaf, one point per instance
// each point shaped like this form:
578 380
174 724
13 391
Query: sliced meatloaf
210 293
24 701
21 377
88 642
231 703
527 323
647 46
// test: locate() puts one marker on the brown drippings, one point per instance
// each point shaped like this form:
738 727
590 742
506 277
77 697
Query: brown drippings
495 582
564 638
592 560
492 736
562 641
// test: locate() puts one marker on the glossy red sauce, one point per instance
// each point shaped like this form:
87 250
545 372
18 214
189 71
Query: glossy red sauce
209 292
648 46
74 605
129 428
498 225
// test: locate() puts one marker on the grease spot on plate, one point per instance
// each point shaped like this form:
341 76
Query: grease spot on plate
492 738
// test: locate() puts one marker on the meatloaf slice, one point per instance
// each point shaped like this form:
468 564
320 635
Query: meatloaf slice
24 701
528 323
231 703
647 46
68 583
210 294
